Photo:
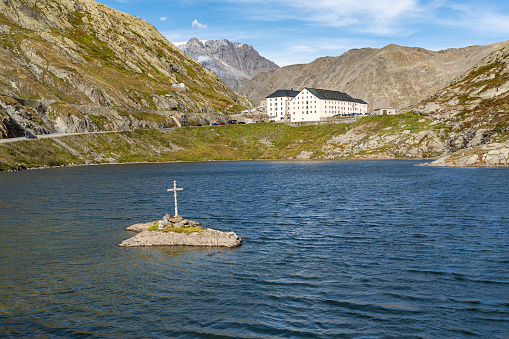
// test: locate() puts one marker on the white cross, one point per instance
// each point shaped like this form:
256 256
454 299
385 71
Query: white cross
174 190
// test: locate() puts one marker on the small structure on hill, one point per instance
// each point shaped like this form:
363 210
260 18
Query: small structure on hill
385 111
180 85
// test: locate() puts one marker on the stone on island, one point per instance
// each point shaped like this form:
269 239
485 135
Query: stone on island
175 231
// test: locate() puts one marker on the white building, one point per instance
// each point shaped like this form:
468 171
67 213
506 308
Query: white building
312 104
278 104
180 85
385 111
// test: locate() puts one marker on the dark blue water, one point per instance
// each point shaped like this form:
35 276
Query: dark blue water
366 249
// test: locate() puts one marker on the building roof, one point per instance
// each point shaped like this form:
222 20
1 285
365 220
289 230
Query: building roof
360 101
283 93
377 109
326 94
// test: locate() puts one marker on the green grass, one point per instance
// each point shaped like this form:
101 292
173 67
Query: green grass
154 227
184 230
265 141
35 153
99 120
61 109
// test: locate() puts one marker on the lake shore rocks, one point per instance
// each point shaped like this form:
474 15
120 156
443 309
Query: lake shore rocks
488 155
177 231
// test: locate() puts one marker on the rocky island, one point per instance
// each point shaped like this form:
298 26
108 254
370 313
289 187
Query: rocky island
175 231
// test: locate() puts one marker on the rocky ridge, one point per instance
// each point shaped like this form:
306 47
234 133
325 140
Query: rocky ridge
233 62
394 76
80 52
168 232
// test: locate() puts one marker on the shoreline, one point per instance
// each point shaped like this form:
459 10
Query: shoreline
229 160
428 162
253 143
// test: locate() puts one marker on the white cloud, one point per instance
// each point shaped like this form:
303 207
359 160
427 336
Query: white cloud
304 51
380 17
163 18
494 23
396 17
484 20
196 24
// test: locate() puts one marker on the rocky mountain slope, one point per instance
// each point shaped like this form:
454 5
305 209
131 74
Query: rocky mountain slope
233 62
391 76
464 124
60 53
473 112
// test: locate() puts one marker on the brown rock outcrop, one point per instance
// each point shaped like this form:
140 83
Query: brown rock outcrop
489 155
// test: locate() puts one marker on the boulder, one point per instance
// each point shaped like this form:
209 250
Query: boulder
176 219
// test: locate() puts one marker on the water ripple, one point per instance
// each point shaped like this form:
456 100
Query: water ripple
331 249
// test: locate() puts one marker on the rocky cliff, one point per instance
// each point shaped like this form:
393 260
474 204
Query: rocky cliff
80 52
391 76
233 62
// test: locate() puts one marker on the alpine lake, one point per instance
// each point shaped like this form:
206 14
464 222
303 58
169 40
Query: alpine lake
348 249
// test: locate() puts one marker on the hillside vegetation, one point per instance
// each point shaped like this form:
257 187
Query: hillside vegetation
80 52
231 142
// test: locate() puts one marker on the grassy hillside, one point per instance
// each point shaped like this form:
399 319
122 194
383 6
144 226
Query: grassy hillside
231 142
82 52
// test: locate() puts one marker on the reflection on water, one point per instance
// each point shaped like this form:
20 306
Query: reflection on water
354 248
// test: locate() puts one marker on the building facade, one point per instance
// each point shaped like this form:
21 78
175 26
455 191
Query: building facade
278 104
312 104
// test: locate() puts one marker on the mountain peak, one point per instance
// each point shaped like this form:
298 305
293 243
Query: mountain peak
233 62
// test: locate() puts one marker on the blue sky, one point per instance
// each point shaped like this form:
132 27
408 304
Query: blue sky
299 31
